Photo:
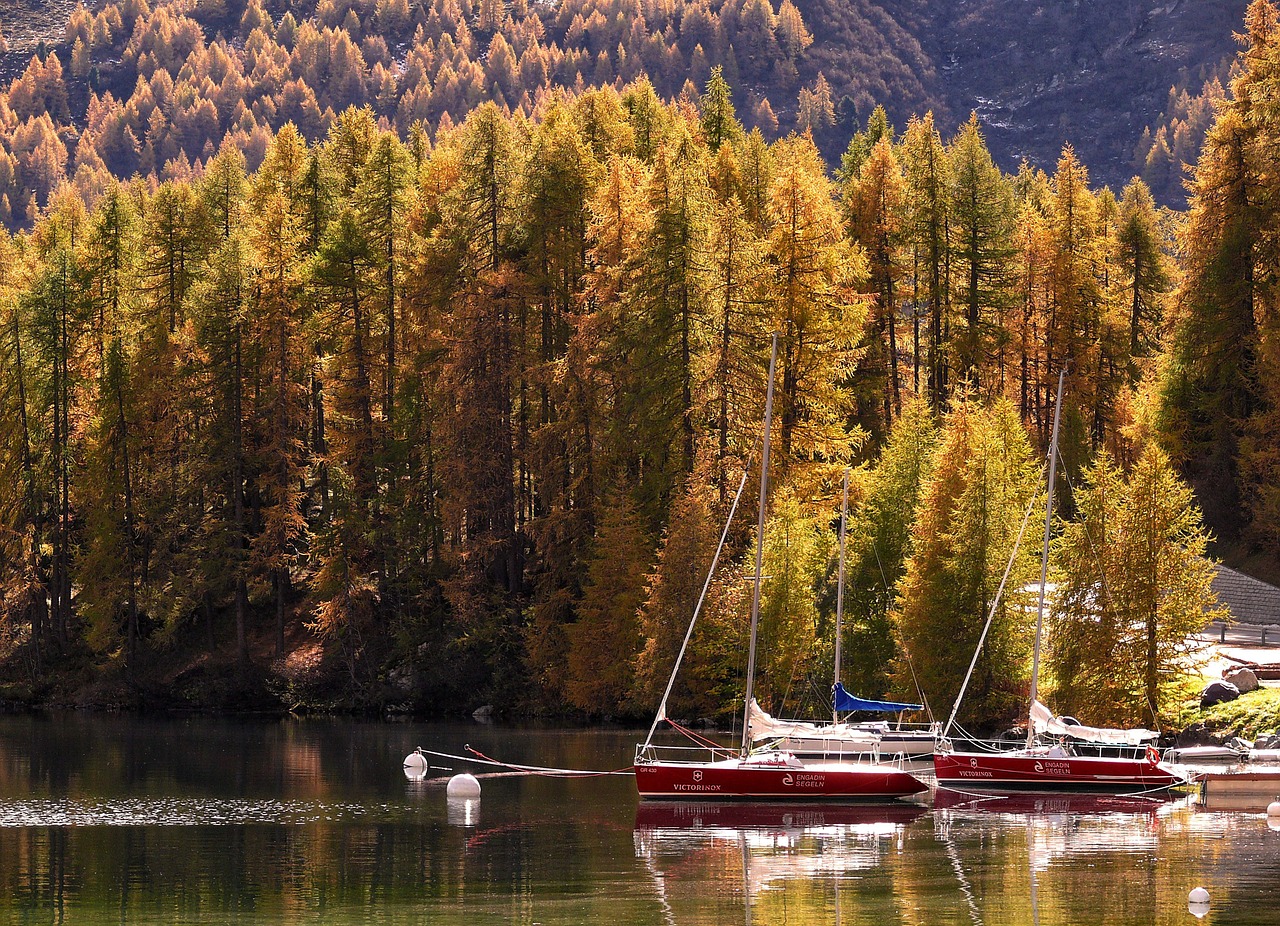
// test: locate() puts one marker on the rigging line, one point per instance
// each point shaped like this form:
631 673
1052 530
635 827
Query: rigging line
480 758
991 616
662 706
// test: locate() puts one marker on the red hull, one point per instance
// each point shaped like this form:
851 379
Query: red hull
735 780
1020 771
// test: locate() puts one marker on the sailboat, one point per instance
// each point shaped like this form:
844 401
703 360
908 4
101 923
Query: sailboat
717 773
1081 758
842 738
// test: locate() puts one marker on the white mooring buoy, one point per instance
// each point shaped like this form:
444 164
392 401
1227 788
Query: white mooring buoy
463 786
1273 809
415 764
1199 895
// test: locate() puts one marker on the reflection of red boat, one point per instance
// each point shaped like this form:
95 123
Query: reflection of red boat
1049 803
1036 769
652 815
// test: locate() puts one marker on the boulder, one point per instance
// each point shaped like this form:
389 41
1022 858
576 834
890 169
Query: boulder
1218 693
1243 678
1267 741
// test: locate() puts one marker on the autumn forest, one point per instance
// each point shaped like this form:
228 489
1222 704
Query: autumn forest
376 356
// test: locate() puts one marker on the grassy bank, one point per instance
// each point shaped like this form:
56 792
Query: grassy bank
1248 716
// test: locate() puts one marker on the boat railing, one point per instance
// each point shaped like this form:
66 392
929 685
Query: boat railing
649 753
893 726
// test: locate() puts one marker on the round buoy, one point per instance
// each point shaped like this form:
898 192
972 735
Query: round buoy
1273 824
1273 809
1198 910
415 764
1198 896
463 786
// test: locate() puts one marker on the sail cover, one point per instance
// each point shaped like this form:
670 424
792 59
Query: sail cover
1044 722
847 702
766 726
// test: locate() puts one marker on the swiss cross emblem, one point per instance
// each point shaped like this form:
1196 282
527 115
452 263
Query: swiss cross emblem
697 776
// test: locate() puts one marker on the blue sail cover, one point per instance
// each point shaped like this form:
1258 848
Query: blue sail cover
847 702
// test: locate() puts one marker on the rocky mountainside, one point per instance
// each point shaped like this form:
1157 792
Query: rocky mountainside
1092 73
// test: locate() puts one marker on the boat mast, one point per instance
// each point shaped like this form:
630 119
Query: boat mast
1044 559
844 517
755 594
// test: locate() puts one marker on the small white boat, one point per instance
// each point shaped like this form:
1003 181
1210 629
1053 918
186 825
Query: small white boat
1196 754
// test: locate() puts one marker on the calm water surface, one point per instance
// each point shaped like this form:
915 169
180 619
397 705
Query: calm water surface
128 821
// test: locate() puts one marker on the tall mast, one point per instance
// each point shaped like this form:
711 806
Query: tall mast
844 517
1044 558
755 594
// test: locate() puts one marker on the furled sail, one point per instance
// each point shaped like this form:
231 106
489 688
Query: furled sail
766 726
1044 722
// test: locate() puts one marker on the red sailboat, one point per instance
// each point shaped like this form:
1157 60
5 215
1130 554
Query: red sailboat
716 773
1080 758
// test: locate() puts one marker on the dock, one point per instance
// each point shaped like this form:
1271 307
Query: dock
1239 790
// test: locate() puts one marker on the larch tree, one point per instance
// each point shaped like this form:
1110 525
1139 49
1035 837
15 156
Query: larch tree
875 205
879 544
1134 586
928 235
814 308
982 237
982 480
1142 272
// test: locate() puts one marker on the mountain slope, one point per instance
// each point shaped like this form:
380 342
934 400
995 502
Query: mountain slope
1092 74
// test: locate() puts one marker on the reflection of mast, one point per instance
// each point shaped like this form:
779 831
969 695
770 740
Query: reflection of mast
746 878
1031 862
954 857
659 880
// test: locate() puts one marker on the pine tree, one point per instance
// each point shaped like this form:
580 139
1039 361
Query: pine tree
108 566
661 327
605 639
220 303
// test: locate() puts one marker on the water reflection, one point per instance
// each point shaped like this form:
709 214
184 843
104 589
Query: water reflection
463 811
150 822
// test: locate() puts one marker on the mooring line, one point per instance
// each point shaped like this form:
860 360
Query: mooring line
481 759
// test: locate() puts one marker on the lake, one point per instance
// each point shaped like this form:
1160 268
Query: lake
121 820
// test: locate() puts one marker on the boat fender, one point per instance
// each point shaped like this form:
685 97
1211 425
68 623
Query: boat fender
1153 755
